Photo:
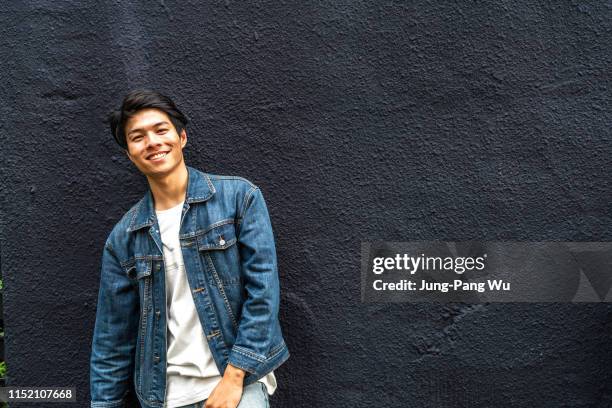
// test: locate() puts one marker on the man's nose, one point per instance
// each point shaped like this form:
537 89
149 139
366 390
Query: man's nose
153 138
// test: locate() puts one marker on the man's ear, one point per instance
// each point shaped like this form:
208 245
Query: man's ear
183 137
127 153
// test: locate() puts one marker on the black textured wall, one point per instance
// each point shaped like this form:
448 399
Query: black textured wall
360 121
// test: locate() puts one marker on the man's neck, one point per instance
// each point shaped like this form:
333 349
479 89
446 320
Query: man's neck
169 190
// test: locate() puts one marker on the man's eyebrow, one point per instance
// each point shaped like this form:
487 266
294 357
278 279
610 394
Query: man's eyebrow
153 125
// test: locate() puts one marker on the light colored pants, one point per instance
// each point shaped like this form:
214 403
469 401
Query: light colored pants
253 396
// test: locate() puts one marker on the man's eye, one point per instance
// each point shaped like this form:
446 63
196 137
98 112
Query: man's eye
135 138
162 131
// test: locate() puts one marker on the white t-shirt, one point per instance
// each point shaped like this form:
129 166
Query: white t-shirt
191 372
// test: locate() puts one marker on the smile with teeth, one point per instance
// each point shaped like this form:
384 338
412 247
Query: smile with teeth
158 156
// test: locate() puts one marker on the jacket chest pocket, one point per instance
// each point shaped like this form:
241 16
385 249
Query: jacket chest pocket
219 253
139 268
139 271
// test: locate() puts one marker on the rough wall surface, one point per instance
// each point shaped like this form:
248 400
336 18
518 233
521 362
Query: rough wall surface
360 121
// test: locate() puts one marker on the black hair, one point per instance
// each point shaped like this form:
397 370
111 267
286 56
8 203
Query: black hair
139 99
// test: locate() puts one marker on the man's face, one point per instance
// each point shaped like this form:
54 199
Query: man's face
153 144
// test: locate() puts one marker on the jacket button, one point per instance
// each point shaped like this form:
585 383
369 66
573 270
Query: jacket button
157 313
156 359
157 267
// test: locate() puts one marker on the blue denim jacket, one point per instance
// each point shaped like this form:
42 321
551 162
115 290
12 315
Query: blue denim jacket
230 260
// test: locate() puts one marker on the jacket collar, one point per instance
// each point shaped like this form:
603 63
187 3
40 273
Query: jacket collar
199 189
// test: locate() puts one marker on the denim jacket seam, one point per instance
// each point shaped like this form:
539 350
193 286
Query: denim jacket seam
248 353
132 260
224 177
148 401
142 331
134 210
277 350
222 291
210 227
245 202
108 404
149 258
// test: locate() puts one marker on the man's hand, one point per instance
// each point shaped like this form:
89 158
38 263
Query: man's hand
229 390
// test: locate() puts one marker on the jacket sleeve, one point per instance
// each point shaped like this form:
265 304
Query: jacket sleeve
114 337
255 332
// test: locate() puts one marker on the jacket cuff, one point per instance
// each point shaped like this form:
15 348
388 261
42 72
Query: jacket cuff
245 359
108 404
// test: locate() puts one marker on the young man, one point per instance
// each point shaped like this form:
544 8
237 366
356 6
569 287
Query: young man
189 293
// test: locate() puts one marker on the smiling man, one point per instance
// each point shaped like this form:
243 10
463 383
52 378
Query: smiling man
189 293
